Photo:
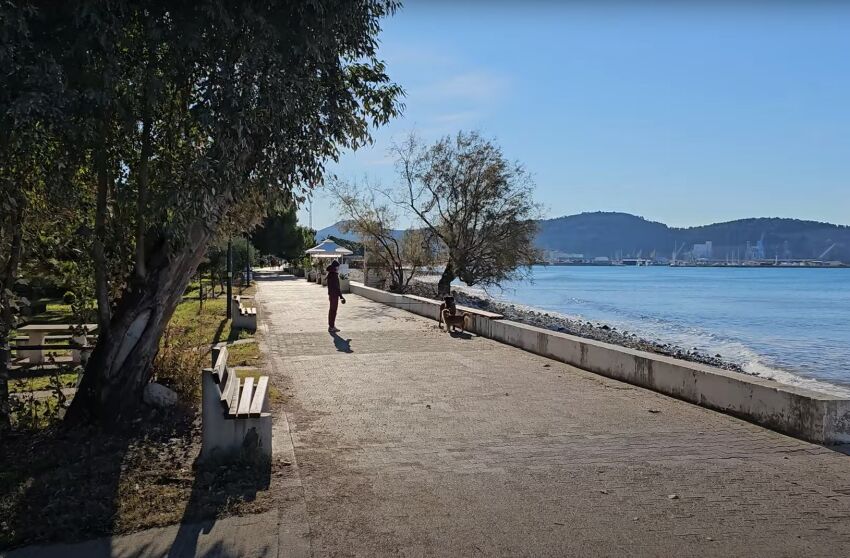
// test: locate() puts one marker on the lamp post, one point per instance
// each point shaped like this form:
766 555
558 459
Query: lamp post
229 276
247 262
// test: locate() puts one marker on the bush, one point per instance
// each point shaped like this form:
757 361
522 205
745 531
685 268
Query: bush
69 297
179 368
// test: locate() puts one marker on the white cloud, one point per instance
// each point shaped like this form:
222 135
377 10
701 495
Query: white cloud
475 86
457 117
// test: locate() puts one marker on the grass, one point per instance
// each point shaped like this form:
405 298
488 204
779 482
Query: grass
41 383
198 325
244 354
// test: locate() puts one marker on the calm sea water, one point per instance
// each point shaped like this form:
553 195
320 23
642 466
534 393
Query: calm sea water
792 325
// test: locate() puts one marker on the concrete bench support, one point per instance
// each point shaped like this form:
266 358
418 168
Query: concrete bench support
802 413
243 316
236 418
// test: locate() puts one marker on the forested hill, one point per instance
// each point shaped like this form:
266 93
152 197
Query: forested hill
611 234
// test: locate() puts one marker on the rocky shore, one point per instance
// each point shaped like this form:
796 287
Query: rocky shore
588 330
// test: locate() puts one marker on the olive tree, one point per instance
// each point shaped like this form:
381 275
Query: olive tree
180 119
368 215
475 201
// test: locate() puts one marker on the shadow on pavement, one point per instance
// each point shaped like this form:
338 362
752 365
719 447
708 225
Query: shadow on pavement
342 345
460 335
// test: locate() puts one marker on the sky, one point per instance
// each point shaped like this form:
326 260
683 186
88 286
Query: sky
683 113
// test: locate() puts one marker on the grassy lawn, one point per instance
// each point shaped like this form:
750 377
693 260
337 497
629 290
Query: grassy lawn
197 325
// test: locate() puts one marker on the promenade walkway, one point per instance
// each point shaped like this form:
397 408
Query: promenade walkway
395 439
410 442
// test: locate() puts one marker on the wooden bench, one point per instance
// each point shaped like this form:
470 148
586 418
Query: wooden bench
235 413
243 316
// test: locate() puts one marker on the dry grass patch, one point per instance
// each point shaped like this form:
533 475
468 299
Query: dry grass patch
67 487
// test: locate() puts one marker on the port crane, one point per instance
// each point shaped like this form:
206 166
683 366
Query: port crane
827 251
676 252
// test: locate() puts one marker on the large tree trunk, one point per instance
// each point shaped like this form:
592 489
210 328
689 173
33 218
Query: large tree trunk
444 287
120 365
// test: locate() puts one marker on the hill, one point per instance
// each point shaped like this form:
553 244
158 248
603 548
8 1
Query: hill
621 234
335 231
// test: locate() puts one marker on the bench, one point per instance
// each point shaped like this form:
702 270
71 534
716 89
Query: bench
37 334
235 413
244 317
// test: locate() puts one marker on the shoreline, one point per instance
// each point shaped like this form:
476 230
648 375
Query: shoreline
426 286
563 324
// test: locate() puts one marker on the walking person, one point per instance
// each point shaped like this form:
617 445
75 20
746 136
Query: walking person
334 295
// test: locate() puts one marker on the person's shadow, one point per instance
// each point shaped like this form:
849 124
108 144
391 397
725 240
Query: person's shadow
342 345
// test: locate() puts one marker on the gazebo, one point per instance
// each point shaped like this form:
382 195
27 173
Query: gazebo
328 250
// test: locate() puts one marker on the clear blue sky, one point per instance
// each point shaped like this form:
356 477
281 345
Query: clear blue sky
685 115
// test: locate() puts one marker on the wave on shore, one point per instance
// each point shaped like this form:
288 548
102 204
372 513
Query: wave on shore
734 356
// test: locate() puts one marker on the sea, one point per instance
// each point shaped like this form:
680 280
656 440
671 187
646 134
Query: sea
788 324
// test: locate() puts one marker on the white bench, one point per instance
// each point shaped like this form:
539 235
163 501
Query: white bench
244 317
37 335
235 413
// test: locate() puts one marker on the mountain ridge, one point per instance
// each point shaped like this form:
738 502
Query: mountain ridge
619 234
612 234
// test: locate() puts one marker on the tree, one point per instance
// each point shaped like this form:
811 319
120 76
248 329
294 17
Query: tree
402 256
475 201
280 235
180 119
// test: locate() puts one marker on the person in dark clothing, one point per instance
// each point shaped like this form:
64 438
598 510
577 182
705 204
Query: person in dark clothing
334 295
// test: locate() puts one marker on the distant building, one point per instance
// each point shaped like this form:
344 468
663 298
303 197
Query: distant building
702 251
557 256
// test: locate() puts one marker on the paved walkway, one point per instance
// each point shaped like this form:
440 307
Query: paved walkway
410 442
404 441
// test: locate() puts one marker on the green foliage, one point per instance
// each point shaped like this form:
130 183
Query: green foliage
140 130
69 297
280 235
475 201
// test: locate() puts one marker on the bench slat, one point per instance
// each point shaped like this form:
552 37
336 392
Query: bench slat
259 398
220 363
231 385
233 404
245 398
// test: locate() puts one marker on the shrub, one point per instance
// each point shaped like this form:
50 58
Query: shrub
179 368
69 297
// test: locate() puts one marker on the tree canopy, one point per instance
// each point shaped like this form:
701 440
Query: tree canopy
165 123
475 201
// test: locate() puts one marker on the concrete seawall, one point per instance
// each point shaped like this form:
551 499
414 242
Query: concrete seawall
798 412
